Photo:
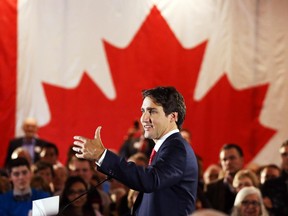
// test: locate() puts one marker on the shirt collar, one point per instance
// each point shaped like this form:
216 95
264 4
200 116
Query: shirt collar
27 190
163 138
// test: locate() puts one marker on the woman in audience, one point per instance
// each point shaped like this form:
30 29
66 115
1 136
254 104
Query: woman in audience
74 187
244 178
249 202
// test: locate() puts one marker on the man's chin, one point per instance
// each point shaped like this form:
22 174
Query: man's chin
148 135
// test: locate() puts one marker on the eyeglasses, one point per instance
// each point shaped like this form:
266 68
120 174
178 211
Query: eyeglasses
254 203
75 192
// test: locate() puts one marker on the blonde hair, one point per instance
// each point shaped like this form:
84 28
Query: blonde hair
246 173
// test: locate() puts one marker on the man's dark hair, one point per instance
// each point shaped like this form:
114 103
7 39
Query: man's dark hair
51 146
170 99
20 161
233 146
42 165
284 144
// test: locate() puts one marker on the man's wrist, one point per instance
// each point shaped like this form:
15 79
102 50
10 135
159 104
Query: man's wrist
101 157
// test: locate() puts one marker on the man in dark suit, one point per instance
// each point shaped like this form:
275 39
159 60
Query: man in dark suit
29 141
168 186
221 193
275 191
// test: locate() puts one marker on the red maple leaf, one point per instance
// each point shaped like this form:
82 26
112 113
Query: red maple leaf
226 115
154 57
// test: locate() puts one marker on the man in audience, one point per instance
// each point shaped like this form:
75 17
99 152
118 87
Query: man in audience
18 202
29 141
268 172
46 171
221 193
276 190
60 177
50 153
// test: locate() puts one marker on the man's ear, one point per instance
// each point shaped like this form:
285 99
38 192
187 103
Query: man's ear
174 116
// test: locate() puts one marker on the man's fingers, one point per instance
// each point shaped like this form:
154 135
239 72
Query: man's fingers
80 138
79 155
76 149
77 143
97 133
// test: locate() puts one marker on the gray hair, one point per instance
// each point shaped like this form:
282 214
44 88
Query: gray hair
244 192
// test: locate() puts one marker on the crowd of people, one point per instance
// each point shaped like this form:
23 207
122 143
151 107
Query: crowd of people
32 171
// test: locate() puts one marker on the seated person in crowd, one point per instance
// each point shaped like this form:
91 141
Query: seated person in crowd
249 202
5 184
74 187
245 178
18 202
59 179
86 169
46 171
50 154
212 173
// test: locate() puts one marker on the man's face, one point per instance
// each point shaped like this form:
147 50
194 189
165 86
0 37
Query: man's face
82 169
154 121
30 128
21 178
49 155
46 174
284 156
268 173
231 161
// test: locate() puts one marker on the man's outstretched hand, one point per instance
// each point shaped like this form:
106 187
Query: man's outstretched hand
90 149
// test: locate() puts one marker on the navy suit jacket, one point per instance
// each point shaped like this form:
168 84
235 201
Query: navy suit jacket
168 186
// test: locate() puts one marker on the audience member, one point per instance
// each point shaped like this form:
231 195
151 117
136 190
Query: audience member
186 134
38 183
59 179
29 141
212 173
245 178
133 135
221 193
275 191
50 153
74 187
46 171
86 169
248 202
208 212
18 202
268 172
5 184
136 144
22 152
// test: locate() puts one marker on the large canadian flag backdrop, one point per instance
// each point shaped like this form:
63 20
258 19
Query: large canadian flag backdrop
75 65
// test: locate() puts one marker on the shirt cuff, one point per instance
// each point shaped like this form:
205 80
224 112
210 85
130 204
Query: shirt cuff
99 162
